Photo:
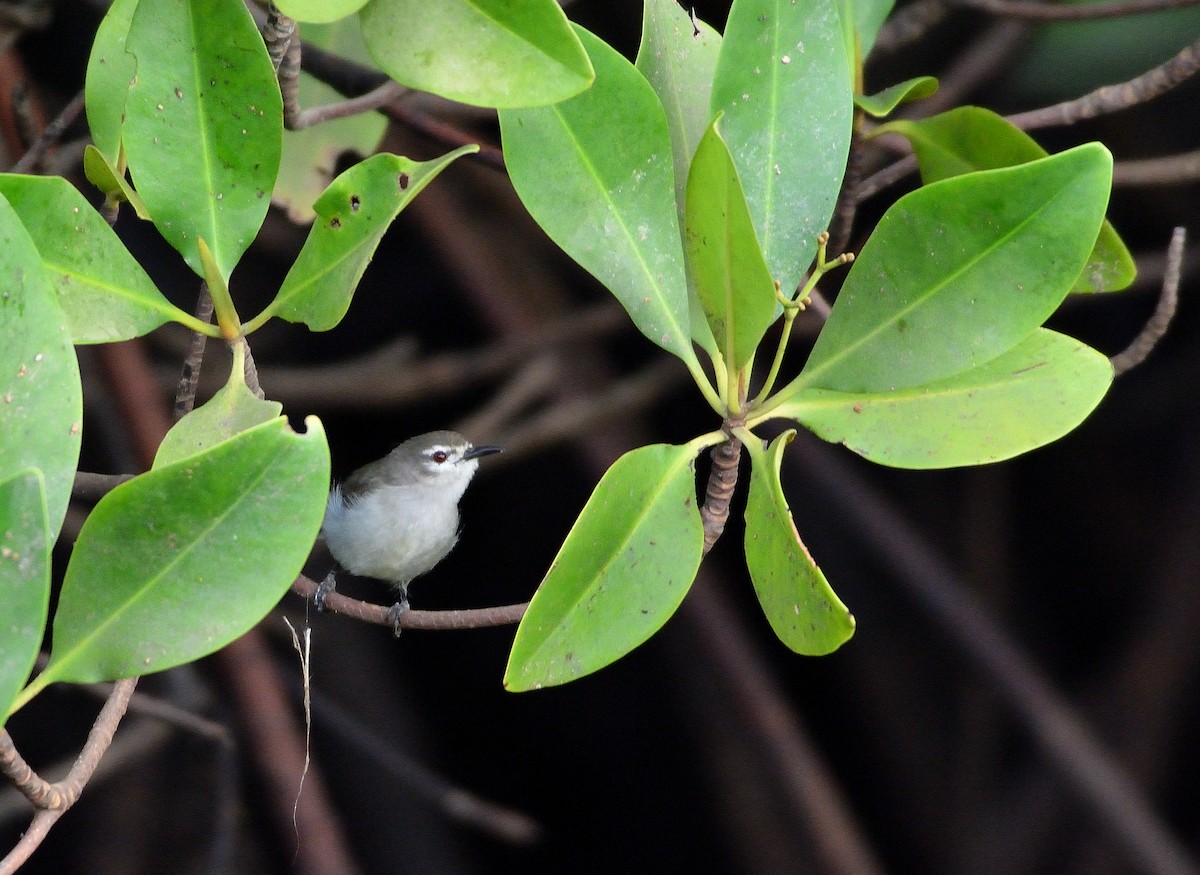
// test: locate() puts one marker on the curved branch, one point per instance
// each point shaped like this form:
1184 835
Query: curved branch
472 618
56 798
1153 331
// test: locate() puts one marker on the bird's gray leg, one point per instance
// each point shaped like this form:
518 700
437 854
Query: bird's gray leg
324 588
399 609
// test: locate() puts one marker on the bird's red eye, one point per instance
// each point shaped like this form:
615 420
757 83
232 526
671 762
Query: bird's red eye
440 456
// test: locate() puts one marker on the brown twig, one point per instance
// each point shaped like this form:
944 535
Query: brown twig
1112 98
1154 329
54 799
49 135
1034 10
189 378
909 24
474 618
1167 170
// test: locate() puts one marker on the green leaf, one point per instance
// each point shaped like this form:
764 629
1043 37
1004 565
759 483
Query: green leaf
321 11
678 55
352 216
883 103
783 81
724 261
861 22
619 576
1029 396
231 411
482 52
41 404
971 138
25 542
203 126
178 562
112 185
103 290
595 173
109 73
800 605
310 155
960 271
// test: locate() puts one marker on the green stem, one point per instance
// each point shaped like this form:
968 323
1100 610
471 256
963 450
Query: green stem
789 317
705 387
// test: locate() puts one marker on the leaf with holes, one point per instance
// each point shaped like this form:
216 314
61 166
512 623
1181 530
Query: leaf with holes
352 216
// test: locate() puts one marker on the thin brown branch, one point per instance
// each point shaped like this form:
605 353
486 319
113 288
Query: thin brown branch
474 618
56 798
1168 170
1112 98
92 487
49 136
189 377
1154 329
1034 10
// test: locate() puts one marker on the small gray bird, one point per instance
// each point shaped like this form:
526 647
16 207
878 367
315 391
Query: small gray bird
396 518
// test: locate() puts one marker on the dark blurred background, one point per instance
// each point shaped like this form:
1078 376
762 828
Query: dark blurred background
1021 695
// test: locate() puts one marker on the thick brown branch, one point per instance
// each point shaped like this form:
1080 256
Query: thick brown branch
721 481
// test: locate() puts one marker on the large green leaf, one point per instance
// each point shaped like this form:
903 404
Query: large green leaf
800 605
41 403
595 172
352 216
25 542
483 52
724 261
971 138
311 154
623 570
322 11
203 125
1029 396
103 291
179 561
109 73
783 81
960 271
678 55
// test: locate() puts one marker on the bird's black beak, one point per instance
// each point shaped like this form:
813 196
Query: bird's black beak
476 452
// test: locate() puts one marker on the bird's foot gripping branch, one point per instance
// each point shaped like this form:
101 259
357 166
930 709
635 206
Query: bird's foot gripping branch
696 184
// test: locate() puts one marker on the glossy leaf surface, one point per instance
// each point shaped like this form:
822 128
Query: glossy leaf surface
41 404
25 542
352 216
596 174
724 261
109 73
884 102
798 602
482 52
231 411
622 571
104 293
179 561
783 82
203 126
321 11
961 271
971 138
1029 396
